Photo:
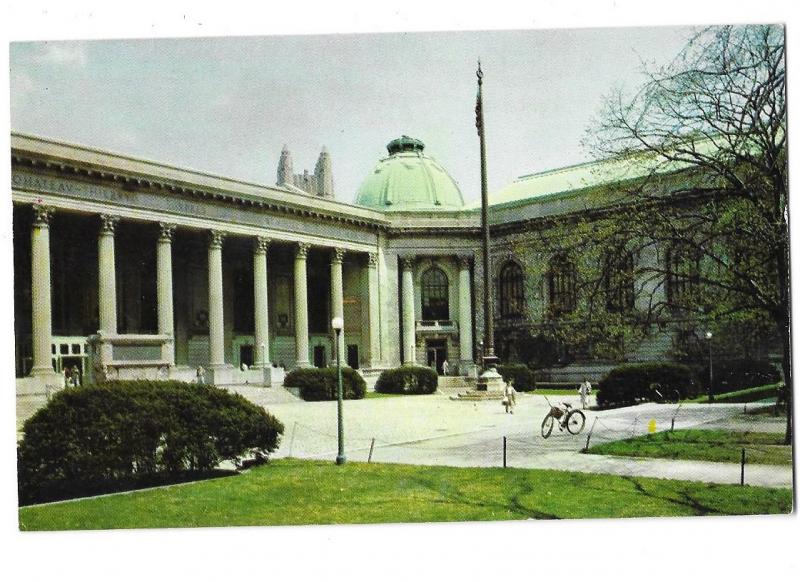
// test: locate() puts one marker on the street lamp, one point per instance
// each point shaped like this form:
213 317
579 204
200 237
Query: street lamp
709 335
337 323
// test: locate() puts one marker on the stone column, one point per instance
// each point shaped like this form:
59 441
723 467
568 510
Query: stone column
42 324
107 276
216 327
164 290
465 314
260 290
301 306
409 317
337 295
374 310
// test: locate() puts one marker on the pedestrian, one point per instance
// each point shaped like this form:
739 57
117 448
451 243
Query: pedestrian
76 377
201 375
585 389
445 368
509 396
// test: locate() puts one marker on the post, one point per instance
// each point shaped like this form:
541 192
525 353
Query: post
337 325
741 480
371 447
489 359
589 436
504 452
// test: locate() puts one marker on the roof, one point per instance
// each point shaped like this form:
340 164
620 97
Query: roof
408 179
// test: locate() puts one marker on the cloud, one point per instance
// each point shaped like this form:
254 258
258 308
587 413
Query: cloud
63 53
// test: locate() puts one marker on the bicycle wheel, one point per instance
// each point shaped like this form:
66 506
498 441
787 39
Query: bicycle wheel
547 425
575 421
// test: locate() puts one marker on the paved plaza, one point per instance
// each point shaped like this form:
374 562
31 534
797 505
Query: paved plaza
435 430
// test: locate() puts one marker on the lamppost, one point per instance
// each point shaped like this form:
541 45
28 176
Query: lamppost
337 323
709 335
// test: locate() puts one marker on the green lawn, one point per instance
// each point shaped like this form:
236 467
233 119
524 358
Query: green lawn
703 445
746 395
289 492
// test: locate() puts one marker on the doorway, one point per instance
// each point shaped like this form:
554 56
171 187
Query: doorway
352 356
436 350
319 357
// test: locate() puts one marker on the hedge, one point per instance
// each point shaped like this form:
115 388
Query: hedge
630 383
85 438
734 375
317 384
407 380
524 379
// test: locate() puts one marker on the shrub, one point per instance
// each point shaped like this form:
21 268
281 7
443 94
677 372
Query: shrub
118 431
408 380
629 383
732 375
524 379
322 383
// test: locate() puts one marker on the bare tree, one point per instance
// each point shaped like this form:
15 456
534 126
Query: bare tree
705 139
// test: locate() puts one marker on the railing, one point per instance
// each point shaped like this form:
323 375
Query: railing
437 325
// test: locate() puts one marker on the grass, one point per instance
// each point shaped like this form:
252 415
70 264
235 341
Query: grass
555 392
747 395
370 395
703 445
294 492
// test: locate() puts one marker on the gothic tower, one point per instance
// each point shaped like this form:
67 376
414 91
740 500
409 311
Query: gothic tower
285 169
324 174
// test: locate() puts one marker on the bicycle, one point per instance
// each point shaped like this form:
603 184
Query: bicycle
570 418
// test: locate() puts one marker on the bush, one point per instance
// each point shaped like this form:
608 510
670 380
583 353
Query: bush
630 383
322 383
524 379
122 431
408 380
732 375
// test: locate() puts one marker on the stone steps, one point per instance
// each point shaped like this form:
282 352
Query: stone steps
477 395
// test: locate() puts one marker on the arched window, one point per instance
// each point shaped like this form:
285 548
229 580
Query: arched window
435 295
512 293
561 285
618 281
683 272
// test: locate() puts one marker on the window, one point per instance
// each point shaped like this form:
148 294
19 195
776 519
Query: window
512 294
683 272
435 295
618 280
561 285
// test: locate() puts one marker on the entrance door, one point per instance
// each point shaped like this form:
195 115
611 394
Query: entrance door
352 356
319 356
436 354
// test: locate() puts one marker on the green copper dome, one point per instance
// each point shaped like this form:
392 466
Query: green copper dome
409 180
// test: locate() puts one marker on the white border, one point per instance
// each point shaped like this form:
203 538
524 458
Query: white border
734 548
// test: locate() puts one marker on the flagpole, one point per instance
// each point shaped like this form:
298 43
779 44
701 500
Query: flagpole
489 358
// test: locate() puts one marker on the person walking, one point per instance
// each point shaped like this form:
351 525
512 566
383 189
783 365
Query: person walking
445 368
509 397
201 375
585 389
76 377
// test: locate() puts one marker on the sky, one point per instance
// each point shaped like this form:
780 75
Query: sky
228 105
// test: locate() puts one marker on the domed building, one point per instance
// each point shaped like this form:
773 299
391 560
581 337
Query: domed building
409 180
193 270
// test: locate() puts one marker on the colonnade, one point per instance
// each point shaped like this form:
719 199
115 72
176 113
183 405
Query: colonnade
107 295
